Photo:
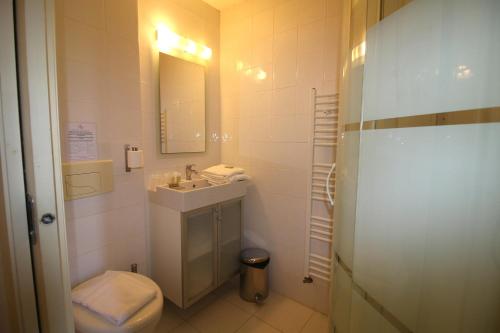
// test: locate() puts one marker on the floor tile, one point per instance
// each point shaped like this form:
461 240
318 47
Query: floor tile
219 317
232 295
169 320
193 309
255 325
317 324
284 313
185 328
224 290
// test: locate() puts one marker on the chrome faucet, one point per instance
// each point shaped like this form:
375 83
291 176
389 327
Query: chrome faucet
190 171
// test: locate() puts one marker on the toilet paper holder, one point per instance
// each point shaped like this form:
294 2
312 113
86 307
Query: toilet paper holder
133 158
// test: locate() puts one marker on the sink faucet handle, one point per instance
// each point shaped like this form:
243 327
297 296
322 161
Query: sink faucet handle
190 170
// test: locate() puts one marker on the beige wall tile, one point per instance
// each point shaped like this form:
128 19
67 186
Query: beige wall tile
99 83
270 129
90 12
286 16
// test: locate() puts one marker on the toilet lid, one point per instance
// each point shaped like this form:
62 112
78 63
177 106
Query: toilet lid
87 321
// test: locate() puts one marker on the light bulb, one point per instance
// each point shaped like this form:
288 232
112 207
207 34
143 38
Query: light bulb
261 75
190 47
167 39
171 43
206 53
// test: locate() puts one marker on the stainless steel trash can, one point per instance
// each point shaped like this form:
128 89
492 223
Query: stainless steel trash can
253 277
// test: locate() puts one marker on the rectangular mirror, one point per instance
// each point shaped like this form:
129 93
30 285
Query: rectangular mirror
182 106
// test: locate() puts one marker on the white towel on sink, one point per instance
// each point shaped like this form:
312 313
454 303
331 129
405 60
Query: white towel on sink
225 180
114 295
222 171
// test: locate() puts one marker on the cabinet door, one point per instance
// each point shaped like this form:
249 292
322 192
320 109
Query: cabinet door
229 239
199 233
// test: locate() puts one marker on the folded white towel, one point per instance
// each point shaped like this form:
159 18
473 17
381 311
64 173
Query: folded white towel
223 170
226 180
238 178
114 295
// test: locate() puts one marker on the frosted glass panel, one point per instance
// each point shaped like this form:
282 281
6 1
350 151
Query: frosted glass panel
348 146
461 280
230 242
200 253
428 198
365 319
393 197
428 225
341 295
433 56
345 204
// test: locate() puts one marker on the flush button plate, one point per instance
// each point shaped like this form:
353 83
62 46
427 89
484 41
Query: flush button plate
87 178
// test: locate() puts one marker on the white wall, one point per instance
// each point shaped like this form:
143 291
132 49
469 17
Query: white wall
198 21
272 54
98 63
108 75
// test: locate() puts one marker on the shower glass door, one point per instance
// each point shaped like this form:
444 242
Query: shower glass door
422 248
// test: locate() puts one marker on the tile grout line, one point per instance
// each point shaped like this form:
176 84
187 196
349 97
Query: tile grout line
177 326
183 322
246 321
307 321
223 298
265 322
194 328
276 328
252 315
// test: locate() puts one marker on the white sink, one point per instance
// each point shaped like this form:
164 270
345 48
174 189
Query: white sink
193 194
190 185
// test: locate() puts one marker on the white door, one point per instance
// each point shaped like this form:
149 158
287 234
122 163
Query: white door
18 311
37 82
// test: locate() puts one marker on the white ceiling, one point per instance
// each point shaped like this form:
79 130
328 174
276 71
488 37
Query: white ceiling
222 4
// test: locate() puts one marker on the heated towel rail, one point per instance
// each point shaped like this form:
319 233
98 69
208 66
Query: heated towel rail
319 223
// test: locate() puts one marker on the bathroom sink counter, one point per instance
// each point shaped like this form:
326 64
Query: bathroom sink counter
195 235
195 194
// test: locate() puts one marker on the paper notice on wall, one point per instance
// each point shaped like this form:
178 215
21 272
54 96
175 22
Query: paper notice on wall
81 140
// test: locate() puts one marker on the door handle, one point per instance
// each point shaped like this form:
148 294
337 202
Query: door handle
48 218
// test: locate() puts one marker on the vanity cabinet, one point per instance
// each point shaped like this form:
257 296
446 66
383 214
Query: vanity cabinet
194 252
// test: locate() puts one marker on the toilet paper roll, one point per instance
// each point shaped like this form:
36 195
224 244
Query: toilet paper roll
135 159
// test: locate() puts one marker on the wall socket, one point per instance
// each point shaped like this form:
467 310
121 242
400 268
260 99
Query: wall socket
133 268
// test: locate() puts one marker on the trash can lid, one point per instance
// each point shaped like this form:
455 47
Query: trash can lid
254 256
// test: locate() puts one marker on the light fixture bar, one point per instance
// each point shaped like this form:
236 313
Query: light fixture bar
171 43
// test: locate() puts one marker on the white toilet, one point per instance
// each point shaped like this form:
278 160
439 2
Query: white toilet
144 321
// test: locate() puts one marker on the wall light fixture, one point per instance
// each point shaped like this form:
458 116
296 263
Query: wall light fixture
171 43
